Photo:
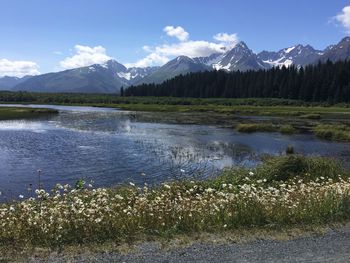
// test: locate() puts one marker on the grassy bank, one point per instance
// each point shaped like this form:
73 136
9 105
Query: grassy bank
9 113
254 106
283 191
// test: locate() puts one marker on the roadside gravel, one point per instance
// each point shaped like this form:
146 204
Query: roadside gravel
334 246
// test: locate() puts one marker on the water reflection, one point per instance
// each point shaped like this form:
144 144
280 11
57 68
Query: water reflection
110 147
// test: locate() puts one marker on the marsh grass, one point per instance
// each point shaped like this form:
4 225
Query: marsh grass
265 127
7 113
311 116
287 129
333 132
283 191
256 127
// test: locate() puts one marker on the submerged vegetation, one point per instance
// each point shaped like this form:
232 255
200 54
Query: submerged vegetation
283 191
7 113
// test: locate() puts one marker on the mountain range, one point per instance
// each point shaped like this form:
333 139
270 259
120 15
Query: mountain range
110 76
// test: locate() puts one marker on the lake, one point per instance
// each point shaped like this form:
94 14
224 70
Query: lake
110 147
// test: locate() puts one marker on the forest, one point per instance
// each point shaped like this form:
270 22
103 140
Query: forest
322 82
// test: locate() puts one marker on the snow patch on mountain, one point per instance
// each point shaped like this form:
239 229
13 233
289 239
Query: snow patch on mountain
287 50
124 75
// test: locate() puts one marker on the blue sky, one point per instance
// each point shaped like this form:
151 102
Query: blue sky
55 35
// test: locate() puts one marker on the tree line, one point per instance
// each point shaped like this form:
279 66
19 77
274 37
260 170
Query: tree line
329 81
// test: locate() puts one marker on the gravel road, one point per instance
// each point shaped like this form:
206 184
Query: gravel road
334 246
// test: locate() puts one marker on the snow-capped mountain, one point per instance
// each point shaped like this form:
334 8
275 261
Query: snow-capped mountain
298 55
134 75
340 51
240 57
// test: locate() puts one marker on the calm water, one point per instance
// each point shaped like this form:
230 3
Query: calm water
108 147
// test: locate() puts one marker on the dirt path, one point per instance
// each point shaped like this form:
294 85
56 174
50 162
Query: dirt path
334 246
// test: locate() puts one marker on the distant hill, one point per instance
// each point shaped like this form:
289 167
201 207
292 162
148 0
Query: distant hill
98 78
7 83
177 66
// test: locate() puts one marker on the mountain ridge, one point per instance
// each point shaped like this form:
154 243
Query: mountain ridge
110 76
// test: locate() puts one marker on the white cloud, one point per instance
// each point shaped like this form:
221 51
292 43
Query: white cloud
18 68
230 40
190 48
344 18
177 32
85 56
152 59
162 53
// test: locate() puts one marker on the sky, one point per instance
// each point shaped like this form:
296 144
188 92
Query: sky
40 36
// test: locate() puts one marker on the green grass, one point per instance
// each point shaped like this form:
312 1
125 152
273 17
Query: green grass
8 113
282 191
333 132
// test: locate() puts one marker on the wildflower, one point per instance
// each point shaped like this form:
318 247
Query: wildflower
251 173
119 197
132 184
21 196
